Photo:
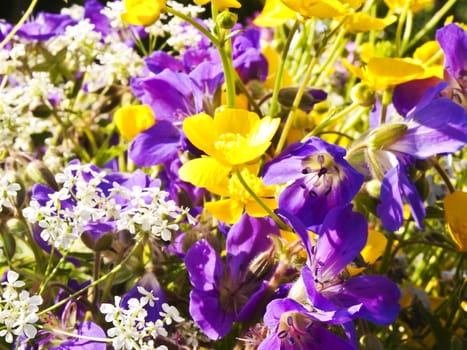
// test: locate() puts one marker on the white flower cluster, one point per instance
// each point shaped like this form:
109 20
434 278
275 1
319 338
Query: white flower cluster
82 201
130 329
8 191
18 310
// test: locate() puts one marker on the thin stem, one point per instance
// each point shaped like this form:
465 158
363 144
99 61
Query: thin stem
18 25
280 71
259 201
428 26
78 336
95 282
444 176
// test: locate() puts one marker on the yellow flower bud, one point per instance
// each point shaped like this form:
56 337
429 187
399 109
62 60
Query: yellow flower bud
132 119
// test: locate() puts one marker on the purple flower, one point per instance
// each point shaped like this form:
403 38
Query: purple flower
453 41
322 179
222 294
93 12
45 26
340 239
297 328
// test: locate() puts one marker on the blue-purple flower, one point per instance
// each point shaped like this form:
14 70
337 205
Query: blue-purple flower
340 239
223 294
322 179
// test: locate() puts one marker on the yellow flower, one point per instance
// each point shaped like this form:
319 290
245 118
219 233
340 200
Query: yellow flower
416 5
456 218
237 199
132 119
362 22
323 8
220 4
274 14
142 12
233 137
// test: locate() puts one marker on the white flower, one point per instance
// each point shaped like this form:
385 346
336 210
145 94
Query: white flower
170 313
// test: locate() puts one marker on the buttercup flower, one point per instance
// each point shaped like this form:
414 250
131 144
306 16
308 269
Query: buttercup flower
233 137
274 13
142 12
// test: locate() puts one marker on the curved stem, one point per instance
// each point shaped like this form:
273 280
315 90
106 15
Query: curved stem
95 282
444 176
259 201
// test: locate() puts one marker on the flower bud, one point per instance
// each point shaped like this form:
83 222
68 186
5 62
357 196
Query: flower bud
226 19
37 172
363 94
15 226
261 264
373 187
386 135
9 244
371 342
21 193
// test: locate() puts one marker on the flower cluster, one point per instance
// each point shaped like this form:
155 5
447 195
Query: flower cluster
215 175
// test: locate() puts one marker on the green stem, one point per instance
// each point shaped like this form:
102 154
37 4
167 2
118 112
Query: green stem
95 282
444 176
331 119
226 58
50 274
291 116
18 25
400 26
428 26
259 201
280 71
78 336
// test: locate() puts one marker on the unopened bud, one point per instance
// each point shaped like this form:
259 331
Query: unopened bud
373 187
261 264
363 94
371 342
226 19
39 173
15 226
423 187
97 242
9 244
386 135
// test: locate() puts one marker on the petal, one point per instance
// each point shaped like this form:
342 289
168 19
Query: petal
456 218
453 40
209 315
205 172
204 266
226 210
274 13
245 240
379 296
200 130
342 237
391 210
158 144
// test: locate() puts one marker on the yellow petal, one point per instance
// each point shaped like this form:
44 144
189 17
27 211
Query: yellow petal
374 248
272 56
220 4
253 208
416 5
226 210
319 8
455 205
205 172
199 129
142 12
362 22
132 119
384 72
274 13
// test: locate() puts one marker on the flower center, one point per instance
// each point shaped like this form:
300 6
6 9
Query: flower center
295 329
320 173
229 141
